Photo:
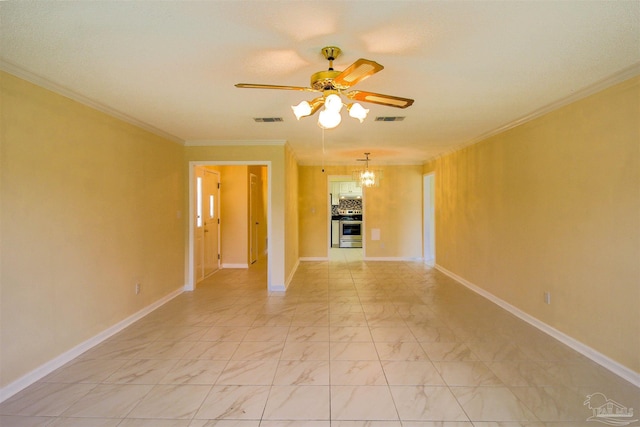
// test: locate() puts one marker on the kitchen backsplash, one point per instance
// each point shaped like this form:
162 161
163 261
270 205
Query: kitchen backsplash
346 204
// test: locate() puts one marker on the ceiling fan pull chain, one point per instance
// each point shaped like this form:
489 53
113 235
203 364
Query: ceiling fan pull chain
322 150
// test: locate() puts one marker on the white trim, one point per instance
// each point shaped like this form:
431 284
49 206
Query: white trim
314 258
368 258
239 142
277 288
67 93
55 363
225 265
606 362
290 277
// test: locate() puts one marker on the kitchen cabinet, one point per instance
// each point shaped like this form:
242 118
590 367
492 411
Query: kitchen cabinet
335 233
351 188
343 188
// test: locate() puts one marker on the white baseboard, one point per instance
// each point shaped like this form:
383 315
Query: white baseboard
606 362
50 366
289 278
224 265
368 258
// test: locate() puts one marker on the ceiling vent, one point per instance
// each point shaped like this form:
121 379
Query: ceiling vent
390 119
268 119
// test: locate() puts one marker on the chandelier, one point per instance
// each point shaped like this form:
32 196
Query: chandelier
330 116
367 177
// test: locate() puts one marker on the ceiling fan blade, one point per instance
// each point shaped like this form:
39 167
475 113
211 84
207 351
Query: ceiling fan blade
258 86
378 98
356 72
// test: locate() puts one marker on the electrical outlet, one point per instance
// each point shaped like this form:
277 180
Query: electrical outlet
547 297
138 288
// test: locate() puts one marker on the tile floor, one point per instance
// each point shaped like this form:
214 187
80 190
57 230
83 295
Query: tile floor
350 344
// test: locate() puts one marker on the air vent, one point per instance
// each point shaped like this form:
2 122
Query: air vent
390 119
268 119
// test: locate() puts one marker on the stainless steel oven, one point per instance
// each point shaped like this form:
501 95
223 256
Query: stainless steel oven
350 233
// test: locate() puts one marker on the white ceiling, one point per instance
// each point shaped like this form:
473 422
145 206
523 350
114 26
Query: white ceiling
473 67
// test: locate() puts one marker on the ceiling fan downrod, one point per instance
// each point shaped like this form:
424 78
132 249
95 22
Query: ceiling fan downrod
330 54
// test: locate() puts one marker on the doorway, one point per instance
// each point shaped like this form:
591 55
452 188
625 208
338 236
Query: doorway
429 227
203 207
345 202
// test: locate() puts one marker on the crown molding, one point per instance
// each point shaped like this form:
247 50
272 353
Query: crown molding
239 142
372 165
68 93
600 85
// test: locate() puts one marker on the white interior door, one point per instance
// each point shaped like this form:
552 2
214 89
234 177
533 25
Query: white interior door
211 208
198 249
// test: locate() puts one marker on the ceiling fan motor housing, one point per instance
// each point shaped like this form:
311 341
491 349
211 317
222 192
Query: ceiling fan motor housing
323 80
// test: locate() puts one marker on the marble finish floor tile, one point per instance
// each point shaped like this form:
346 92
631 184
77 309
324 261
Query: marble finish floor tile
427 403
362 403
141 371
302 372
45 399
171 401
85 371
109 400
248 372
405 351
234 402
467 374
357 372
298 403
492 404
411 373
198 371
305 351
351 343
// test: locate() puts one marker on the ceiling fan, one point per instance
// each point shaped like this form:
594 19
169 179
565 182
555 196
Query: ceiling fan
332 84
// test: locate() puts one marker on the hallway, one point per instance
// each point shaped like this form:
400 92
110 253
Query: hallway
393 343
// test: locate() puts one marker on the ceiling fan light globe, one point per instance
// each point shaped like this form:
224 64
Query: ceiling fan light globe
301 110
329 119
333 103
357 111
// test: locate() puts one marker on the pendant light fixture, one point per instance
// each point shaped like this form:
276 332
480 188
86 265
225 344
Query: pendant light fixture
367 177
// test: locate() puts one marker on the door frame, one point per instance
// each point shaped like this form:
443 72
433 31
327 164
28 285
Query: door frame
341 178
190 273
217 226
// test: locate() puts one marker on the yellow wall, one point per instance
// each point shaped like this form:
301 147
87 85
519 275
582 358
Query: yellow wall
234 195
554 205
395 208
261 203
90 206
